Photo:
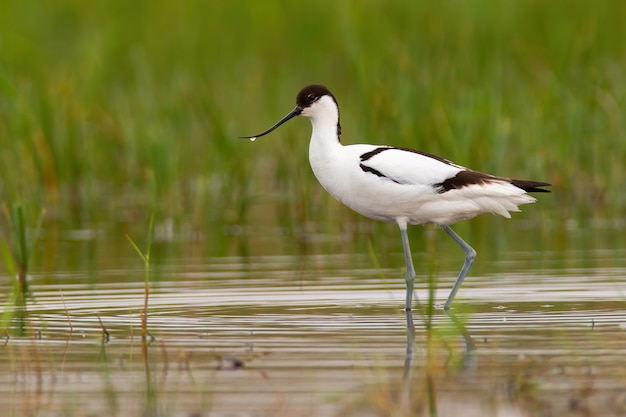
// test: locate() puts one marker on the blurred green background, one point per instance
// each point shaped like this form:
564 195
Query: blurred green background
110 110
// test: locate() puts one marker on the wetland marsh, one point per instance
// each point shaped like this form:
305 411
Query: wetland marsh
267 297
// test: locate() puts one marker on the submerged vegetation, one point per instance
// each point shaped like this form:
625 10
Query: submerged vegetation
16 249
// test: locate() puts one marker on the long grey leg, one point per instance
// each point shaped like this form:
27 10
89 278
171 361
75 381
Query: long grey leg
410 339
470 255
410 271
410 280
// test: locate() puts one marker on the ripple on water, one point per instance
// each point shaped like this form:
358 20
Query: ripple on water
259 330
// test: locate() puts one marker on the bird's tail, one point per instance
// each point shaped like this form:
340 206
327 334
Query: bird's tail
531 186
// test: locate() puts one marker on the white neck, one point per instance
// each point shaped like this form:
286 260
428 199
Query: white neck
325 149
324 117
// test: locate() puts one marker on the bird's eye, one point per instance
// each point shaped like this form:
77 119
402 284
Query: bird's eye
311 96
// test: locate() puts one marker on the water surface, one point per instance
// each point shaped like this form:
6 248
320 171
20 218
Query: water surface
323 334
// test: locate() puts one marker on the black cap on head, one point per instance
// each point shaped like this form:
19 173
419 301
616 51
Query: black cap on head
310 94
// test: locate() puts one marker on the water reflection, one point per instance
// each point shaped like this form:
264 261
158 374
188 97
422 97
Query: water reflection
334 343
468 358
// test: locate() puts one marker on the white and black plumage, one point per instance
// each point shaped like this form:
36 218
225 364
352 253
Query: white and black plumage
401 185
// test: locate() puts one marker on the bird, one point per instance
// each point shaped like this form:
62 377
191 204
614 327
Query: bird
401 185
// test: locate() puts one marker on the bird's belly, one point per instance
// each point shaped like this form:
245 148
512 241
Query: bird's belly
407 202
414 204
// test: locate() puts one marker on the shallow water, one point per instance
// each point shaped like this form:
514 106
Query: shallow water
321 335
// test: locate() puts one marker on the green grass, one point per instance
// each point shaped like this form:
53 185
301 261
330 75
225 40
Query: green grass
16 247
113 110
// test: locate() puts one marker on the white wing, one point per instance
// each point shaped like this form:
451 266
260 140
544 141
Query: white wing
405 166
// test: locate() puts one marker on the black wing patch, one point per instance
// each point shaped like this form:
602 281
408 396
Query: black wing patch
370 154
469 177
465 178
376 172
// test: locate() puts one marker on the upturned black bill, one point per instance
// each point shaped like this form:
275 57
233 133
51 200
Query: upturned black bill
295 112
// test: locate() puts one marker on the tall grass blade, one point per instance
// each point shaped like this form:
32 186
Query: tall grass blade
145 256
